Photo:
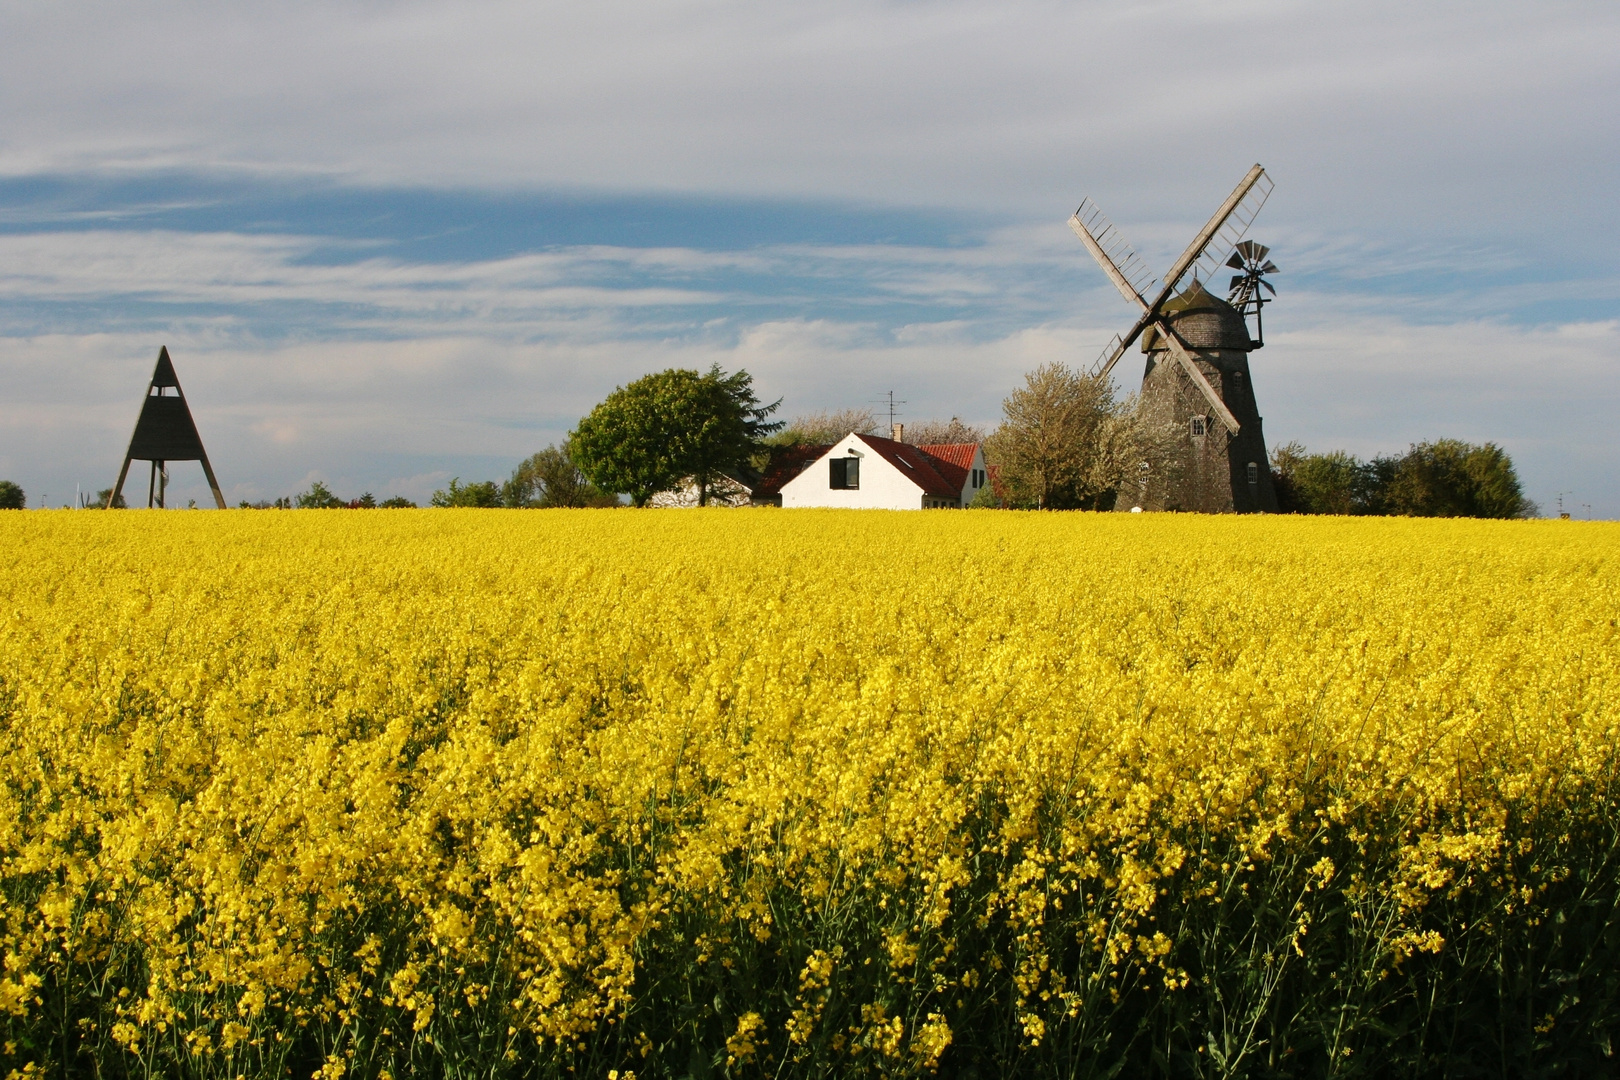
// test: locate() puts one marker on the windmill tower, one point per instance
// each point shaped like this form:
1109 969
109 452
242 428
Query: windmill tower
164 432
1197 401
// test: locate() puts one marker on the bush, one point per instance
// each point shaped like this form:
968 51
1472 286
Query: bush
100 501
318 497
1451 478
1446 478
551 478
483 494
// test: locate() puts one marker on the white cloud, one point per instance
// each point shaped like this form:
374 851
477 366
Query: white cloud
1471 118
228 268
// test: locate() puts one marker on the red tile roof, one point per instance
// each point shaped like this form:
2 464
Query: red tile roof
952 461
959 454
922 469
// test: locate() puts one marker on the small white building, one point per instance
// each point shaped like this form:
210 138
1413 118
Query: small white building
870 473
725 491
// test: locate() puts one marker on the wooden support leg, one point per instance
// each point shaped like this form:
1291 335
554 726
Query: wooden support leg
213 485
118 488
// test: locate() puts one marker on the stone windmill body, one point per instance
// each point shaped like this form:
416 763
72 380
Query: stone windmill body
1197 400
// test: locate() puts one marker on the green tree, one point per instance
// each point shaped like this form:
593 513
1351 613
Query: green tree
1065 442
1445 478
551 478
11 496
483 494
728 429
1452 478
318 497
398 502
1332 483
664 428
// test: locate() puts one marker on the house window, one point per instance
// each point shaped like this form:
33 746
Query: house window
844 473
1200 425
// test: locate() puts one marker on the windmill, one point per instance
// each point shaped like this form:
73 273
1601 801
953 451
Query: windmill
1196 401
164 432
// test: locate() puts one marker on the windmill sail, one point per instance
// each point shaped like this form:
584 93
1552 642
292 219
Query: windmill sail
1234 228
1128 272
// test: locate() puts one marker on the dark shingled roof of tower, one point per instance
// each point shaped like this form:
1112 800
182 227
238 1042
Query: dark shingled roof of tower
1204 321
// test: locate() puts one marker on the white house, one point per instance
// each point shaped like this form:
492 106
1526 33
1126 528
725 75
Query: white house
869 473
725 491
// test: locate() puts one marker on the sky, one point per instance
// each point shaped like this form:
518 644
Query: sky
391 243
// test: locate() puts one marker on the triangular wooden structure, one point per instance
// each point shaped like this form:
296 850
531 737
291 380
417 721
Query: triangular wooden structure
165 432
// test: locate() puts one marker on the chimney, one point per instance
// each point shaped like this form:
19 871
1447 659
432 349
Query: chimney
899 432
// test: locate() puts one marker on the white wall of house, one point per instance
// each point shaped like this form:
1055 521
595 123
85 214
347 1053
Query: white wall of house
882 485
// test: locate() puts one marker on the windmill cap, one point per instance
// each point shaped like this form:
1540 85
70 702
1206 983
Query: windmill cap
1203 320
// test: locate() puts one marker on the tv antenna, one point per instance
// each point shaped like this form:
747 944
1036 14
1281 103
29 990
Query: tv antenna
890 401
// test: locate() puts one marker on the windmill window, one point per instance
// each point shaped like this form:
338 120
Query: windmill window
844 473
1254 473
1200 426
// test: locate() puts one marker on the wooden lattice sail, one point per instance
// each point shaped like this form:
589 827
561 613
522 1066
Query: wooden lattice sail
165 432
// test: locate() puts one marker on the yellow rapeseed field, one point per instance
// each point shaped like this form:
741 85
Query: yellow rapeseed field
705 793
